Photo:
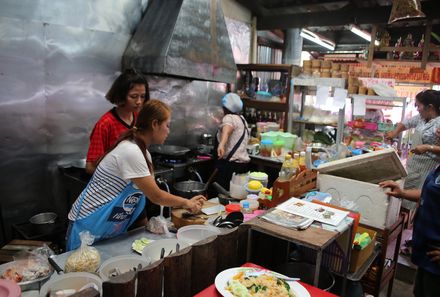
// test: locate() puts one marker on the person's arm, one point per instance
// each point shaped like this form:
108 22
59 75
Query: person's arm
98 140
149 187
226 133
396 191
90 167
423 148
434 254
399 129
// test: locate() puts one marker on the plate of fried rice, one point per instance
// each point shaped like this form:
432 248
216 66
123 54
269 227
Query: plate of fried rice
254 282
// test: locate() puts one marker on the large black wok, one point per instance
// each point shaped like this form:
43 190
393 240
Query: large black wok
169 150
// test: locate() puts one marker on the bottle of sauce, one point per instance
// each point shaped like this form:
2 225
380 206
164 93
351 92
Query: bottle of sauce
302 161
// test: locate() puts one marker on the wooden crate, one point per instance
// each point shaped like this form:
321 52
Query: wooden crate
299 184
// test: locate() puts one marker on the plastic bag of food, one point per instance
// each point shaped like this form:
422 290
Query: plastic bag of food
159 225
86 258
405 9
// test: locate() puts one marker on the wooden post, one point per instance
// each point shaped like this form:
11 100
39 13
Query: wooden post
227 246
425 54
204 264
177 274
150 280
121 285
371 47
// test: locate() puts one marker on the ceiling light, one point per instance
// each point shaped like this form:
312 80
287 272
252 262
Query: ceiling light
309 35
363 34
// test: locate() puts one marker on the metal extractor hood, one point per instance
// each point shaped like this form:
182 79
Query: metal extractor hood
185 38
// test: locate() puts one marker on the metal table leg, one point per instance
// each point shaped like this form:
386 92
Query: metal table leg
346 262
317 268
249 246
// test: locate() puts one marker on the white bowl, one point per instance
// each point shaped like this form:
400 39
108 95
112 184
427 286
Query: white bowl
152 251
124 263
71 280
195 233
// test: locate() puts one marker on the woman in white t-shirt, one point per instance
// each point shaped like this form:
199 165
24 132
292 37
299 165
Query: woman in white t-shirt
123 181
232 138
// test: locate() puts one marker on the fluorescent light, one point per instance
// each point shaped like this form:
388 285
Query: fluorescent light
309 35
363 34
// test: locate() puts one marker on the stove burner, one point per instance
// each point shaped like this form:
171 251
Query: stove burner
173 161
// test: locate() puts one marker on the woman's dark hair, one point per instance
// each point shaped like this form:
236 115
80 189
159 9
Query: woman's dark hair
428 97
118 92
152 110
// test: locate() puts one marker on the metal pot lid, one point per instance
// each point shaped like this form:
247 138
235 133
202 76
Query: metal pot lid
170 150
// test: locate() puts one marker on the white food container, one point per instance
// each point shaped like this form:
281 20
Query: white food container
355 181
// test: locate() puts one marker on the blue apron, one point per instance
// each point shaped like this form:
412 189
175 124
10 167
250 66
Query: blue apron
110 220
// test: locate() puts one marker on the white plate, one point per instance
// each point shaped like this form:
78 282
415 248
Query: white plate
226 275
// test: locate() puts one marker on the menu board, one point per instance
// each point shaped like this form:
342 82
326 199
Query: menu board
317 212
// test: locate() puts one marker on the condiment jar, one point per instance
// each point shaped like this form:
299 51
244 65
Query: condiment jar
266 148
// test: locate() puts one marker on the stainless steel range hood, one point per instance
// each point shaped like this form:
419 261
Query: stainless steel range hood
185 38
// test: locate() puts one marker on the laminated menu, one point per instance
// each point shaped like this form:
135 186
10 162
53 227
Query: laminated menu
286 219
321 213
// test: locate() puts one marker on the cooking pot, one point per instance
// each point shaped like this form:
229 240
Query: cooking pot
190 188
44 222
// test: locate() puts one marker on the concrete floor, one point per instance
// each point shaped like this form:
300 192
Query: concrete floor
405 273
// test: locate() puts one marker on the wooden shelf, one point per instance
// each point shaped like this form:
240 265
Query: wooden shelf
432 48
314 123
265 105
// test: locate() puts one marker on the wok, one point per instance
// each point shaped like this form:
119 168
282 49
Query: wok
169 150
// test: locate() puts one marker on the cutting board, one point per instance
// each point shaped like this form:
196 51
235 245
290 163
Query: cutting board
198 219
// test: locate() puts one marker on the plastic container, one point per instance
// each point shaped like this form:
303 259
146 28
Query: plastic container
271 135
194 233
278 147
232 207
237 191
152 251
71 280
289 140
254 187
252 203
124 263
266 148
245 207
258 176
302 161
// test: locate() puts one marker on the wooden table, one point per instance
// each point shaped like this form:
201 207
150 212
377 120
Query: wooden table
314 238
211 291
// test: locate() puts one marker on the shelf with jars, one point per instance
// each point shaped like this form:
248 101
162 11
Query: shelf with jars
265 91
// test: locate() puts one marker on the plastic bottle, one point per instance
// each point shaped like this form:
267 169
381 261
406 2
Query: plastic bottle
287 169
245 207
302 161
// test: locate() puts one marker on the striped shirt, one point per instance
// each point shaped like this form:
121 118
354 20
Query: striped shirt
111 177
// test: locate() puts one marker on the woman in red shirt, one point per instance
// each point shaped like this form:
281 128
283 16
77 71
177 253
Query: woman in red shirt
128 93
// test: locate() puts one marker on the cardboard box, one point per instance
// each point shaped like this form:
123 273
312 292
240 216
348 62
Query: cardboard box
358 258
353 184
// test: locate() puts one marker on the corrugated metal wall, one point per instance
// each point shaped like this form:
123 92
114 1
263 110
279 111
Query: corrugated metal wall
57 60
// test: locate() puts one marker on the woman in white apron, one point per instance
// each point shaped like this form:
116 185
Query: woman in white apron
123 181
425 124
